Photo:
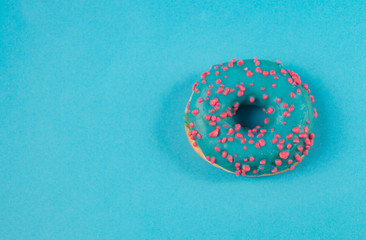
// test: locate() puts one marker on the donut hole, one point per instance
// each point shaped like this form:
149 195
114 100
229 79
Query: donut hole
250 116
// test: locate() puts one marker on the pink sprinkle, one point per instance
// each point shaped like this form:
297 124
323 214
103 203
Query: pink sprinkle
214 101
289 146
258 70
300 148
280 146
274 140
223 115
265 73
251 159
240 93
278 162
272 72
277 135
243 140
238 135
224 154
289 161
296 130
251 84
230 139
283 71
262 88
275 77
262 142
199 100
278 100
285 105
227 90
251 141
266 120
251 99
199 136
223 140
240 62
298 90
191 125
208 92
255 171
296 140
265 96
217 149
262 162
284 155
230 158
257 145
246 168
311 135
231 131
220 90
230 64
270 110
274 85
203 75
237 165
249 73
195 112
212 123
218 81
303 135
292 94
274 170
245 148
224 68
217 73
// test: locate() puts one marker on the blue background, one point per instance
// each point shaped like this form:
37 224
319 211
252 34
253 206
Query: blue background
92 96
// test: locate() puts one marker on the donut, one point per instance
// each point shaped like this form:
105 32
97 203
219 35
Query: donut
275 146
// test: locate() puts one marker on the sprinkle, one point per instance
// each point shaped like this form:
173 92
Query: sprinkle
278 162
249 73
292 94
284 155
270 110
240 62
195 112
296 130
265 96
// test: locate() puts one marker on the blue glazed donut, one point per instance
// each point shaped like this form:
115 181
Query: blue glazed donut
275 146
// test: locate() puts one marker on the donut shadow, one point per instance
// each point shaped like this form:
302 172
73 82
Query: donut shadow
172 140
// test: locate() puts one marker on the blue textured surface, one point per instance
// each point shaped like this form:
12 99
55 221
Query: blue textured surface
92 144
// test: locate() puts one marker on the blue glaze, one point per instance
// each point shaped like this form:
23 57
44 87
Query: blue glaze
302 116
